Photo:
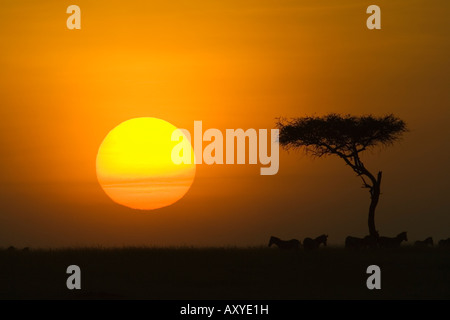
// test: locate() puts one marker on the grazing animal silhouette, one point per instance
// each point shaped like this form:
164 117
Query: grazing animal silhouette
444 242
311 244
360 243
285 244
354 243
386 242
425 243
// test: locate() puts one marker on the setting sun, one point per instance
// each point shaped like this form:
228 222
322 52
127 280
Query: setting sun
190 151
135 168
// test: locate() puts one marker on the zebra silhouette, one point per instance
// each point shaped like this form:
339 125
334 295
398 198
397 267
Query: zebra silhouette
428 242
311 244
285 244
386 242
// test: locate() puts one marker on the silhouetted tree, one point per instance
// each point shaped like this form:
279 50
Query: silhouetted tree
345 136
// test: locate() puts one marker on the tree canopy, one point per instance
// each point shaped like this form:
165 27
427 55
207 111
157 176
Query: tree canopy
344 135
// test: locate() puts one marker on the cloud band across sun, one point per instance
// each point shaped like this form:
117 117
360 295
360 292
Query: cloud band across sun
135 168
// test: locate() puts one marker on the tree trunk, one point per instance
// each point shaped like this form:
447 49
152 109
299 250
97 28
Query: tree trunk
374 197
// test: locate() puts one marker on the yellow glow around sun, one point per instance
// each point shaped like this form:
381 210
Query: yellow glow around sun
135 168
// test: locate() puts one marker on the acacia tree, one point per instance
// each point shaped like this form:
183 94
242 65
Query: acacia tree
345 136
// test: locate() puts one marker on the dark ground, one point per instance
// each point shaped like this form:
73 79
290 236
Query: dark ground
224 273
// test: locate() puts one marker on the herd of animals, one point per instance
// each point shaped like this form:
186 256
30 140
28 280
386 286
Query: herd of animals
350 242
355 243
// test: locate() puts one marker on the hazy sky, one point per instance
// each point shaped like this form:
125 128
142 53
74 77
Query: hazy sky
231 64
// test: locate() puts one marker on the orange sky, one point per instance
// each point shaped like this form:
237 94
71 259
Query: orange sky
230 64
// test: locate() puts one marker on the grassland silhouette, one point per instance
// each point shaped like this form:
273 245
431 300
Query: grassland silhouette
300 270
225 273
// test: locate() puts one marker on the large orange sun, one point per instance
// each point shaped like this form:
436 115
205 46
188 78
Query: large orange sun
135 167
